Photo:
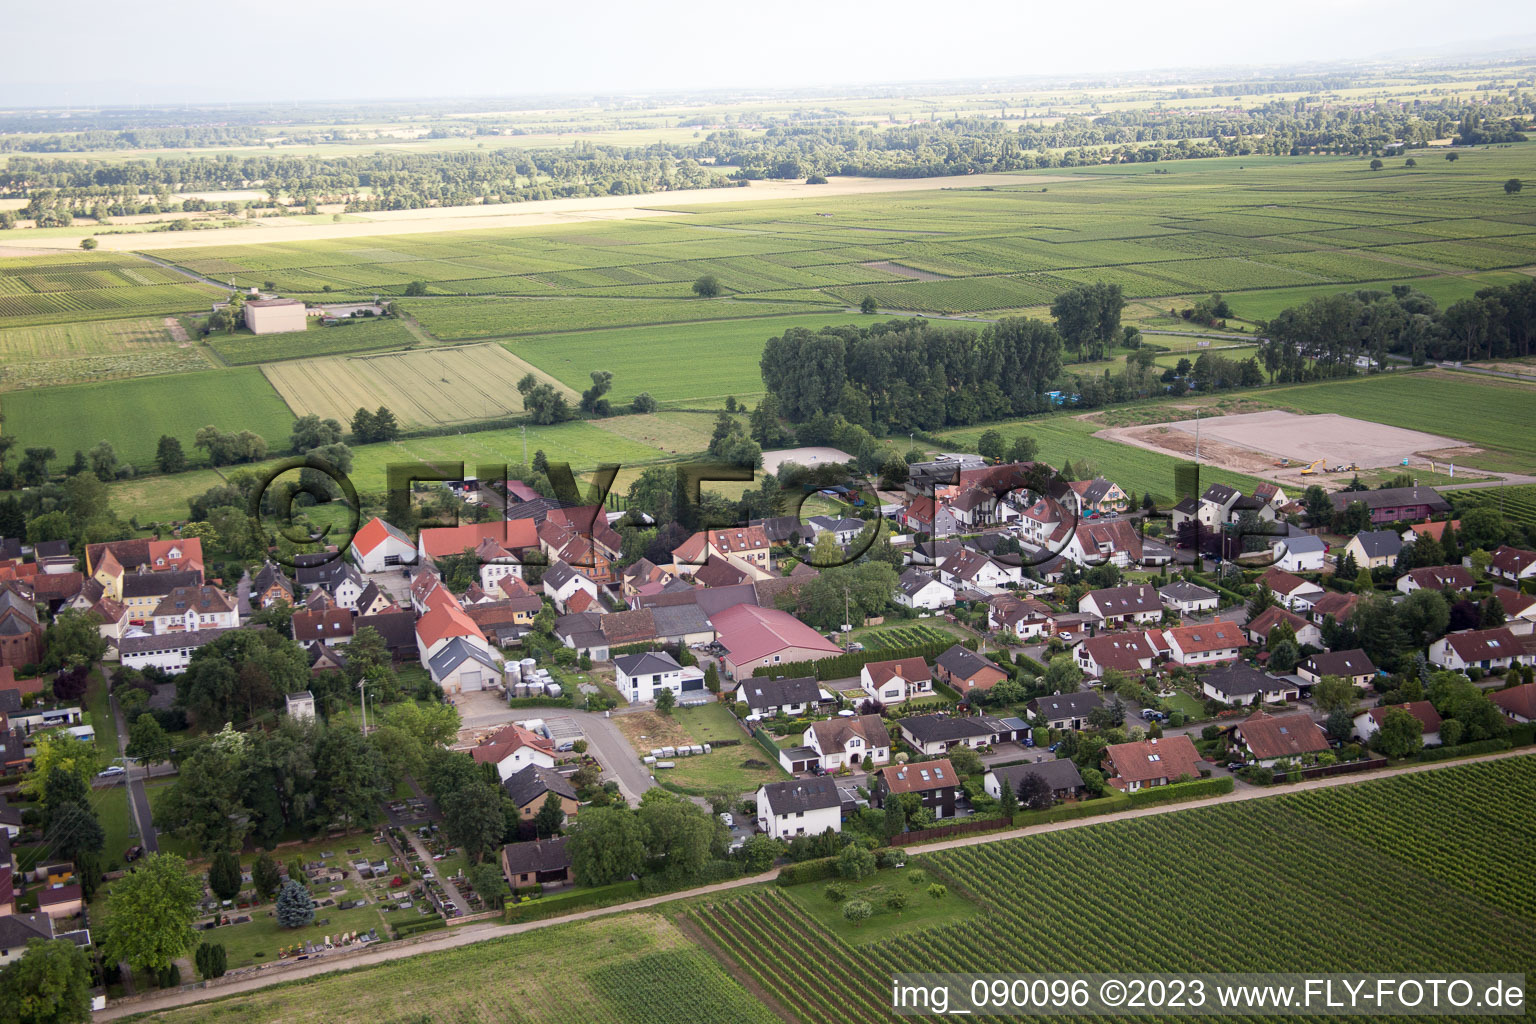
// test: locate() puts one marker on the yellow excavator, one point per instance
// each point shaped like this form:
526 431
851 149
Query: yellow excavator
1320 466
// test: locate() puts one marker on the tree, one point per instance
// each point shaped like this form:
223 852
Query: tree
48 984
474 820
364 426
643 403
168 455
991 446
607 844
1023 449
1364 582
592 399
551 816
895 820
1512 186
224 875
666 700
149 913
58 749
147 741
856 861
90 243
1332 692
896 901
707 287
211 959
857 911
1318 505
416 288
966 761
295 906
489 884
937 891
1377 165
1340 724
265 876
759 852
1062 674
1007 802
1263 598
1400 734
678 831
1284 657
74 833
73 641
868 304
1035 793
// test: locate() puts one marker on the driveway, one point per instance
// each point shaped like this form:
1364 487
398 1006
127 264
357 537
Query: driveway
619 760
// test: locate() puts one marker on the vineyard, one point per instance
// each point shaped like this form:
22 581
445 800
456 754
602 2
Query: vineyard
1515 503
1189 891
904 636
65 287
356 336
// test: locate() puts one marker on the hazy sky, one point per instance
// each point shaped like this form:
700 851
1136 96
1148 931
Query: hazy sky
175 50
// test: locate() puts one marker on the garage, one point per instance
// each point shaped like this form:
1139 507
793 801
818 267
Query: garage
799 759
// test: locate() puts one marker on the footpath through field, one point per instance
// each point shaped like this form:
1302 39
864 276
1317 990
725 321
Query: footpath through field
472 933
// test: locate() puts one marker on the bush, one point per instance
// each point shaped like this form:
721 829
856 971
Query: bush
807 871
1465 750
1180 791
835 893
855 862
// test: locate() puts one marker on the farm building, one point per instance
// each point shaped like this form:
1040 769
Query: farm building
274 316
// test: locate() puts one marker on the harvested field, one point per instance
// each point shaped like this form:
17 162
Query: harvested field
421 387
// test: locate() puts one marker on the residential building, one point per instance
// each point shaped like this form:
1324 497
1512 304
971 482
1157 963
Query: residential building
855 741
379 546
936 734
1184 598
1259 627
922 590
1515 604
1239 683
542 862
1394 504
1352 665
1061 775
1289 589
1482 648
1513 564
300 706
1518 702
530 786
271 585
1066 710
1375 549
330 627
800 807
512 748
21 632
1454 578
1099 496
966 671
1272 738
766 697
639 677
748 545
187 609
169 652
1139 603
514 536
1435 529
974 570
1335 605
1132 653
1368 723
1024 617
561 583
754 636
1100 541
935 782
1134 766
1300 553
927 515
1206 644
895 682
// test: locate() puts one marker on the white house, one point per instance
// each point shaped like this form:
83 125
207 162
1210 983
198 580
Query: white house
1291 590
766 697
1368 723
845 531
1204 645
1023 617
1300 554
1139 603
801 807
935 735
1239 683
922 591
1185 598
379 546
1482 648
640 676
561 583
894 682
513 748
854 741
462 666
967 568
189 609
169 652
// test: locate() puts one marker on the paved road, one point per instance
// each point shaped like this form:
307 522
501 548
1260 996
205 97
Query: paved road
471 933
184 271
138 799
620 761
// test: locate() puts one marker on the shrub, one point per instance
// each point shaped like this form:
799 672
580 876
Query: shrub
807 871
835 893
938 891
857 911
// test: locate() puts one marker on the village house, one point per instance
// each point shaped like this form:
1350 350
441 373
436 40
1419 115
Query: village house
1239 683
1454 578
530 786
746 545
142 591
1482 648
895 682
1289 589
1394 504
922 591
754 636
271 585
1518 702
1066 710
1099 496
1515 604
513 536
926 515
1184 598
1132 653
1435 530
1273 738
1139 603
1206 644
1216 505
766 697
1513 564
1374 549
378 546
109 562
512 748
1134 766
966 671
1333 605
934 781
1352 665
1024 617
801 807
542 862
937 734
188 609
1300 552
1260 625
968 569
1113 541
1368 723
169 652
977 508
639 677
828 745
1061 775
562 583
330 627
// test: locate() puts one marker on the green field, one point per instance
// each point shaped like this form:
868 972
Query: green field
132 414
1162 893
356 336
1444 289
681 363
464 319
65 287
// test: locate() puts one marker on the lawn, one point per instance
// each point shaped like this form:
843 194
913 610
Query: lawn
921 911
1192 707
681 363
133 414
710 723
156 791
739 769
111 806
358 335
153 498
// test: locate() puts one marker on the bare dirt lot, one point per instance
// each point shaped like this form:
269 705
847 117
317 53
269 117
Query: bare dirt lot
803 456
1253 442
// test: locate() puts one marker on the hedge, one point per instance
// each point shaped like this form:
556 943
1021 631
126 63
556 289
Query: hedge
1465 749
569 902
807 871
766 742
1111 801
541 702
426 924
1180 791
1522 735
841 666
1029 664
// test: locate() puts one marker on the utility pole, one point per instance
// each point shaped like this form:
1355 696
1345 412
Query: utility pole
525 444
846 621
362 700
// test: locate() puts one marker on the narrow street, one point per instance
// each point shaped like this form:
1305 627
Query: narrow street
138 799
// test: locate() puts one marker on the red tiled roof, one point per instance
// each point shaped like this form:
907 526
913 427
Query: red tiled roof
1443 577
319 625
1150 760
1517 700
1269 736
506 741
1512 561
910 669
750 632
1423 710
920 777
1281 582
512 534
1213 636
373 533
1436 529
1271 617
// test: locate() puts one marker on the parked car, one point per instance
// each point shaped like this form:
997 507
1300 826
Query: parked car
1152 715
111 772
1065 634
854 648
133 853
729 821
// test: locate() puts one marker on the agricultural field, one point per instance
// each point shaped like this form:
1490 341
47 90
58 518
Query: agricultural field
903 636
679 363
132 414
422 387
1517 503
1445 289
68 287
466 319
78 353
371 335
1077 899
676 433
638 969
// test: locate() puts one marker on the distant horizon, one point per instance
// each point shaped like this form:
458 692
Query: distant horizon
383 52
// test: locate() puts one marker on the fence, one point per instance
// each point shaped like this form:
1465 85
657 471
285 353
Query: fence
1349 767
922 835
